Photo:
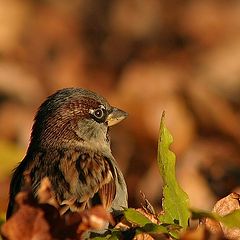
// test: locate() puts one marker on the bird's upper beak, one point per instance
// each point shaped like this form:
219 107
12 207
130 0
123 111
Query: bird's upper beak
115 116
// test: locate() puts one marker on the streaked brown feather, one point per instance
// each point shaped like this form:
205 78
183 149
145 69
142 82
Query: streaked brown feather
88 175
107 194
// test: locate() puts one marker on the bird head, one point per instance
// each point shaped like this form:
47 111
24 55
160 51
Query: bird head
74 117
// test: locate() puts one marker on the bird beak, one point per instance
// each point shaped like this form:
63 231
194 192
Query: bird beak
115 116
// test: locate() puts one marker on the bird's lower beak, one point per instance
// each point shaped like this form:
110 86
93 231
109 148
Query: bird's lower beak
116 116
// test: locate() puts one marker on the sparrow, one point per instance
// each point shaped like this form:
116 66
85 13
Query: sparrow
70 146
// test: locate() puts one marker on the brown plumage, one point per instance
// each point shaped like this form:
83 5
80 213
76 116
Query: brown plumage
70 145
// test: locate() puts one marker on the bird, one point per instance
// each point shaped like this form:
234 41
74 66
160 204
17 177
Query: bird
70 145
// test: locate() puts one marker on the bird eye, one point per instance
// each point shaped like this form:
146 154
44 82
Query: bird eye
99 114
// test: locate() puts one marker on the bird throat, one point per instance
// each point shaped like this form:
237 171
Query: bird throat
94 136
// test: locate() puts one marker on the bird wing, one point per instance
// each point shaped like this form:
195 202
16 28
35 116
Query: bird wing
107 194
91 180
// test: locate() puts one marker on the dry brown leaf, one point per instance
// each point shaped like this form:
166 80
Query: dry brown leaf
28 222
201 233
213 226
223 207
96 218
143 236
196 234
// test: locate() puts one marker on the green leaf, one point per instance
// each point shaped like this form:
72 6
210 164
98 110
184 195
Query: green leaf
155 228
102 238
135 217
114 235
231 220
175 200
109 236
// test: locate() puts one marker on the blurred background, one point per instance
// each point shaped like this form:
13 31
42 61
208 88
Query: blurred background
144 56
